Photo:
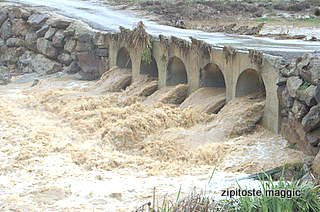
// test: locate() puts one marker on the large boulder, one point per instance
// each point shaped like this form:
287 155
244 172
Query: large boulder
50 33
65 58
2 43
309 68
70 45
293 84
6 30
42 31
45 47
311 121
37 20
316 165
58 39
85 42
61 23
19 13
10 56
91 66
3 15
43 65
31 41
15 42
317 94
286 99
72 68
313 138
24 63
307 95
19 28
4 75
289 70
299 110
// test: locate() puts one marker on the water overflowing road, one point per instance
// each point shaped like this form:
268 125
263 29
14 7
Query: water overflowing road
102 17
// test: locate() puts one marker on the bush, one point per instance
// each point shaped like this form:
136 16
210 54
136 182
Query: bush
307 201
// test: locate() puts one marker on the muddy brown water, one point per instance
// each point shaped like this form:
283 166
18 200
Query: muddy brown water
69 144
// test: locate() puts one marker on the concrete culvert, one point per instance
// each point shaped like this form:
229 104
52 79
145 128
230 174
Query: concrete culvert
211 76
150 69
123 59
176 72
250 82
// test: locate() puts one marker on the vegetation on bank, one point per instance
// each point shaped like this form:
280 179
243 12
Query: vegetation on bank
306 201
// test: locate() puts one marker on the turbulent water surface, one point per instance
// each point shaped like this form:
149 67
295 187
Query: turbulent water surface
68 144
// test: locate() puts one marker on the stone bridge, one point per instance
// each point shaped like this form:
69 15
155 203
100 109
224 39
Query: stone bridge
31 41
176 61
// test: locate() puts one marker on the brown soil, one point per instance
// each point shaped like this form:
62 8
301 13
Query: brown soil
219 16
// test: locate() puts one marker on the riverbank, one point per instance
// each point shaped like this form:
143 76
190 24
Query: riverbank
277 19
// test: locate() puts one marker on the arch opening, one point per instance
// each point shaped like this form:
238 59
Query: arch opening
150 69
212 76
176 72
124 59
250 83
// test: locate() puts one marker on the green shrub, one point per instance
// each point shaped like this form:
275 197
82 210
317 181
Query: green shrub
307 201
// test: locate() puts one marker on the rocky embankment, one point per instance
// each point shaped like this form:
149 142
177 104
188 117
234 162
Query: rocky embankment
299 95
36 42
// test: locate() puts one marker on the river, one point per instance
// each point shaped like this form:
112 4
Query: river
68 145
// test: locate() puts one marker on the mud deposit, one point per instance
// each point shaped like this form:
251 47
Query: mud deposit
68 144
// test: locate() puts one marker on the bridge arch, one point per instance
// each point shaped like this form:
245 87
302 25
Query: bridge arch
250 82
176 72
123 58
212 76
149 68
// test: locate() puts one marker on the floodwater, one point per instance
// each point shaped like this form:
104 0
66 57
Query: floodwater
84 146
69 144
102 17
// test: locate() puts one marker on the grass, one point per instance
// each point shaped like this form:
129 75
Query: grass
308 201
305 85
292 21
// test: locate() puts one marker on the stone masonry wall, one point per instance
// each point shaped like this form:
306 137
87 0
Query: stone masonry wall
36 42
299 95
